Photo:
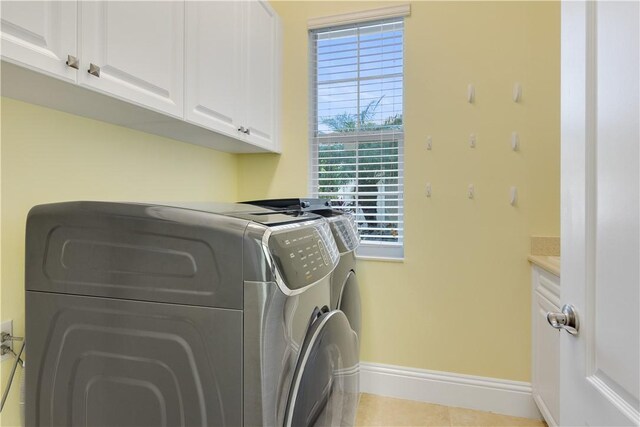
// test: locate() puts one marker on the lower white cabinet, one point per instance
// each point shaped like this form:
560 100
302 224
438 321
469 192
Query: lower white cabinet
545 378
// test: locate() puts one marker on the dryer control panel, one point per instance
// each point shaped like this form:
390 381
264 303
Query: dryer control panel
303 254
345 231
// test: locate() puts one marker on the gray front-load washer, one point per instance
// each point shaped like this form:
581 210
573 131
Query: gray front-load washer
216 314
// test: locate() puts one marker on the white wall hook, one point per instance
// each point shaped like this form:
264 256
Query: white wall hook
517 92
471 191
515 141
472 140
429 142
513 196
471 94
427 190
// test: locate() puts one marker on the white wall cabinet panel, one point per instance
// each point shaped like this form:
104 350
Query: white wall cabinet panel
205 72
233 70
213 65
40 35
139 49
262 73
545 375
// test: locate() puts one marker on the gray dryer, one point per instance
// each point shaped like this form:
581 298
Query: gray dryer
198 315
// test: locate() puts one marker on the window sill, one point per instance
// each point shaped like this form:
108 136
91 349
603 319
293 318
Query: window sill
380 252
379 258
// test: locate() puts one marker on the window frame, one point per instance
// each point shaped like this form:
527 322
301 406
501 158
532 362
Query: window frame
368 249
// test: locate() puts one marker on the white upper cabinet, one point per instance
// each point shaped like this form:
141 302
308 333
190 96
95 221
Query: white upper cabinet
206 72
213 65
40 35
262 71
232 69
134 51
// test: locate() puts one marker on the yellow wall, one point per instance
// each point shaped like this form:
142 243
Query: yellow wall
460 300
50 156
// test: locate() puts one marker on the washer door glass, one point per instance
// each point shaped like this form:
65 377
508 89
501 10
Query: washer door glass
325 386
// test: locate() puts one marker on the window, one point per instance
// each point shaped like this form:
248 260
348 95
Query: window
356 128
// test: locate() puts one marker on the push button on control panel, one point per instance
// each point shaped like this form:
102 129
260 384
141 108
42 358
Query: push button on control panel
323 253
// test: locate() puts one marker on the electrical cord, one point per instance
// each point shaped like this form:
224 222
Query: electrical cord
13 372
6 349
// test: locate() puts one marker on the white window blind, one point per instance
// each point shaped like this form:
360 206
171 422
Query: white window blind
356 128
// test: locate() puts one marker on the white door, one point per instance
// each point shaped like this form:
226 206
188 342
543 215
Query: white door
40 35
213 69
135 51
262 68
600 367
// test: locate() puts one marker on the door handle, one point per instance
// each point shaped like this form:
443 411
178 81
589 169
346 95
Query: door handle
94 70
567 320
73 62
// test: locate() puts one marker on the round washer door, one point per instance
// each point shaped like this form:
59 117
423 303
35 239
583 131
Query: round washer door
325 385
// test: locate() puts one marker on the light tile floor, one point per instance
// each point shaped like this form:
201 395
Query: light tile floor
386 411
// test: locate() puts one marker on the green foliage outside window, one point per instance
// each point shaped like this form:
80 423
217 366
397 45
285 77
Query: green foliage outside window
366 167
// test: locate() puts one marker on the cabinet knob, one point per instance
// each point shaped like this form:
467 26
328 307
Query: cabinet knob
247 131
94 70
241 129
73 62
567 320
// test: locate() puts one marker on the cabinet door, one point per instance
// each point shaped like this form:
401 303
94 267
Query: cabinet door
40 35
213 68
546 360
261 74
139 47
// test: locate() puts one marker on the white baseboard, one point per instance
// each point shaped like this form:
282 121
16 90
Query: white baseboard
445 388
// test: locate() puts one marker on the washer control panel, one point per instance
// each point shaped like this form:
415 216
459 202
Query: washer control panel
303 255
